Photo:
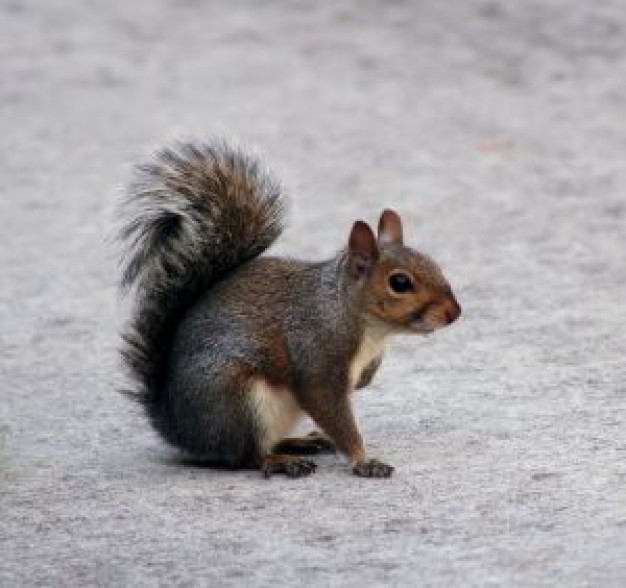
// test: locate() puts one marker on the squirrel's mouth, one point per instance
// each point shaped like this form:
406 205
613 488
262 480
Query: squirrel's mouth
434 315
421 327
418 321
424 330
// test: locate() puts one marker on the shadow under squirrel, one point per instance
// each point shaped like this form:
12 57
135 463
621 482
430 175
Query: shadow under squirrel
229 349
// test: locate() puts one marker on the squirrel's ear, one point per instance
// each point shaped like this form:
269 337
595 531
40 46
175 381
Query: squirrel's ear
362 249
390 227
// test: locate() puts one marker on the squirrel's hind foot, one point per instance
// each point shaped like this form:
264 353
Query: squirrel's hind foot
311 444
372 468
290 465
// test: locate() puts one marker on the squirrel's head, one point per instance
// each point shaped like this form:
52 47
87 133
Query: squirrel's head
399 286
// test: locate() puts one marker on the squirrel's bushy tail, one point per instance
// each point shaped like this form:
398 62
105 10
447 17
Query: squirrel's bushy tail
194 214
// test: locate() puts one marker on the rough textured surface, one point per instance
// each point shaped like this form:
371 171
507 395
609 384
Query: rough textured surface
497 130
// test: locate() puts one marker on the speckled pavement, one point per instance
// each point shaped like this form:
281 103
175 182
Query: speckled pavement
498 130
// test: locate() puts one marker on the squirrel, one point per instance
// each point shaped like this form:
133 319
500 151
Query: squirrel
228 349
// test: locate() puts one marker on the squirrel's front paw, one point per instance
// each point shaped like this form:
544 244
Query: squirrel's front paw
372 468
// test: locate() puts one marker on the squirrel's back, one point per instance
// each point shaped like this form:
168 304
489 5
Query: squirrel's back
194 214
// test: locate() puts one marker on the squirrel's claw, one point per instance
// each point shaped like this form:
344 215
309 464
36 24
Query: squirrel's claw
292 467
372 468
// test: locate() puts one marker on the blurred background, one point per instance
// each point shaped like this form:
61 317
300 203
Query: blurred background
496 129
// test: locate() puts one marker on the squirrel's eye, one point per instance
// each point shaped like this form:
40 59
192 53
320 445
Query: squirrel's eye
400 283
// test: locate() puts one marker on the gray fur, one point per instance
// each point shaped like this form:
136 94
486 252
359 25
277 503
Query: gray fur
220 335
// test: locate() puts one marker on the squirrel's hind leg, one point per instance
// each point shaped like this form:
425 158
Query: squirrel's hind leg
208 414
275 412
311 444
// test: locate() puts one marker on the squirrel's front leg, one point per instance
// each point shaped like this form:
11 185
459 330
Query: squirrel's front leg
334 415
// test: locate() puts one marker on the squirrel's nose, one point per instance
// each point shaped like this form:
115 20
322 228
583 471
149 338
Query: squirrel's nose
453 311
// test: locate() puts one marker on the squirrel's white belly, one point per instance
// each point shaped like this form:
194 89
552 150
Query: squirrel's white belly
276 410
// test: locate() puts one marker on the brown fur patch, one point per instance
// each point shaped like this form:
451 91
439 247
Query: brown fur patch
429 303
278 368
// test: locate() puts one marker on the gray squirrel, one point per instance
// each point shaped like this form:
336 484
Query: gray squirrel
229 349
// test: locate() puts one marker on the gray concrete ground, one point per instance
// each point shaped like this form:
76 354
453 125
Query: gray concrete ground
497 129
